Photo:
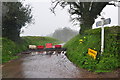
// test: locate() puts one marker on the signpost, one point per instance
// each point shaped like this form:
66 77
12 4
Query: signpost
102 23
102 36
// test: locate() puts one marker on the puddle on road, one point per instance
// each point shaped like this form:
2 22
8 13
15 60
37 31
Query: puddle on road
36 65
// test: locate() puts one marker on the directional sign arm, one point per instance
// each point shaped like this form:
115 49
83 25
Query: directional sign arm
106 21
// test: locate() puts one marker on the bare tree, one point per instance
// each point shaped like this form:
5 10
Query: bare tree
86 12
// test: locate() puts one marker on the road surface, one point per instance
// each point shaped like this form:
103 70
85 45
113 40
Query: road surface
38 65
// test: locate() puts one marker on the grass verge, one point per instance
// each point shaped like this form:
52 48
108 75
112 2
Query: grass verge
77 50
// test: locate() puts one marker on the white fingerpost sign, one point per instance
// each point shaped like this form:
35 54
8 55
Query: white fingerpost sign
102 23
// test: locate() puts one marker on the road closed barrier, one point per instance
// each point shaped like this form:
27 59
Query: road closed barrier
48 49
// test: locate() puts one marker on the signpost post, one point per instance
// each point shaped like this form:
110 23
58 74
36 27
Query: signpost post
102 23
102 36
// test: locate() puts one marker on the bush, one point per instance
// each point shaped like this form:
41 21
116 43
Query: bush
8 49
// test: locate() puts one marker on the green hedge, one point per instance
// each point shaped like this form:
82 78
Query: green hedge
77 51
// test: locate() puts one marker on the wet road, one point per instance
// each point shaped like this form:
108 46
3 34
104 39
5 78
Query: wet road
47 66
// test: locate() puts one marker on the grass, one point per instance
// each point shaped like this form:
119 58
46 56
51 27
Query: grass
77 50
10 48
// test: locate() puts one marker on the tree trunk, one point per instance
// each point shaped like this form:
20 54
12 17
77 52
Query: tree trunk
87 23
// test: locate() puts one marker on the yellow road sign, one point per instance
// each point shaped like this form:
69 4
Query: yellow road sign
92 53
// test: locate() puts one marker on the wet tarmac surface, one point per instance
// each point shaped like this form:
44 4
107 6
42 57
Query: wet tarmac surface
36 65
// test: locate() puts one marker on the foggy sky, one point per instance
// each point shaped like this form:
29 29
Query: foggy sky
46 22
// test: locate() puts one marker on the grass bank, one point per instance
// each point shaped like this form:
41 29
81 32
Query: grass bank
10 48
77 51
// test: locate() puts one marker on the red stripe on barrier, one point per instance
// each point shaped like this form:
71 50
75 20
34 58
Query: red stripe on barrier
40 47
57 46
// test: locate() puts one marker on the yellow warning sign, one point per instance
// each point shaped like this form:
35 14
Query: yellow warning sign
92 53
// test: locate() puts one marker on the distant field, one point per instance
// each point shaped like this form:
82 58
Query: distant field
34 40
